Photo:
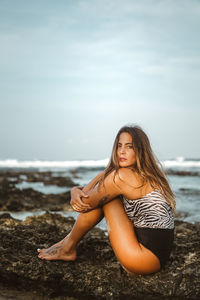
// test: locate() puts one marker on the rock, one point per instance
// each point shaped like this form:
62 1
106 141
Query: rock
48 177
181 172
96 274
14 199
187 191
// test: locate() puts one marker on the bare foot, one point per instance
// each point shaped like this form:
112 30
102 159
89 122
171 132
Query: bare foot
45 250
59 251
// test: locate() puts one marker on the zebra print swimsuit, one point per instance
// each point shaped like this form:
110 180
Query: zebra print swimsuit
150 211
153 221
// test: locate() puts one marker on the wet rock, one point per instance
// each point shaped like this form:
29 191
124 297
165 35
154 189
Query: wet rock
181 172
181 215
15 199
96 274
48 177
187 191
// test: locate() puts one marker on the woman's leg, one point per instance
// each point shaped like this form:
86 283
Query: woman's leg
66 249
133 256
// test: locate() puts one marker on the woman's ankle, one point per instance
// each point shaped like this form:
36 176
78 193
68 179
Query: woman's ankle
69 244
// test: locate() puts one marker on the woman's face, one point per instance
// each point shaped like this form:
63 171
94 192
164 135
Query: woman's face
125 152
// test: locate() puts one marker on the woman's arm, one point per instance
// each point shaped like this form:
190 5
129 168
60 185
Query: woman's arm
101 194
78 192
115 184
90 185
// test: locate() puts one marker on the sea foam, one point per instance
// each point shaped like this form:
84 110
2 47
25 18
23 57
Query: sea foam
181 162
14 163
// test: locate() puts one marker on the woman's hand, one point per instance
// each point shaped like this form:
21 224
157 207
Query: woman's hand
76 202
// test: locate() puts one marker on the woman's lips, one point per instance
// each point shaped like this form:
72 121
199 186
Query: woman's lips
122 159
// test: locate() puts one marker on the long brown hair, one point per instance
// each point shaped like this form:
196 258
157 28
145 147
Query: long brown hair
147 165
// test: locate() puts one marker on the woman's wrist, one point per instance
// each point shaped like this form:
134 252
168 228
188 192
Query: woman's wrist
77 188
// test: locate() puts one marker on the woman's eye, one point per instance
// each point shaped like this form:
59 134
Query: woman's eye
130 147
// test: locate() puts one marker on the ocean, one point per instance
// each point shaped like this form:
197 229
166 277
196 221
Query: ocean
183 175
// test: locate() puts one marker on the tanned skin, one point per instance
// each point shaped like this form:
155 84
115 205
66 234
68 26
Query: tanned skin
97 201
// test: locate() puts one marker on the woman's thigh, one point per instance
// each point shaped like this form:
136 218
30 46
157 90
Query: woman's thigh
133 256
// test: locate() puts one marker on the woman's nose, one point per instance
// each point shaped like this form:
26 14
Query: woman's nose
122 150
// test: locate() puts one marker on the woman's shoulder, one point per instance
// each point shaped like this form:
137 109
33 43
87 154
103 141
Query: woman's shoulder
124 173
128 176
132 184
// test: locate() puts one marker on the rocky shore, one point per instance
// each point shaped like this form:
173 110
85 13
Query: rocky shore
28 199
96 274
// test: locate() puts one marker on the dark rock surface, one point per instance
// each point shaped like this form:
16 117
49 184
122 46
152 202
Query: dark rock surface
14 199
48 177
181 172
95 274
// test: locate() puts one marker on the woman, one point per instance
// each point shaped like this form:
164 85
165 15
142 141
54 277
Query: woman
135 198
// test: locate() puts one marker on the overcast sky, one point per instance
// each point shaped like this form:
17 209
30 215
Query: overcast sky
73 72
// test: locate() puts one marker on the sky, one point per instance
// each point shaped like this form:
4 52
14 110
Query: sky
73 72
